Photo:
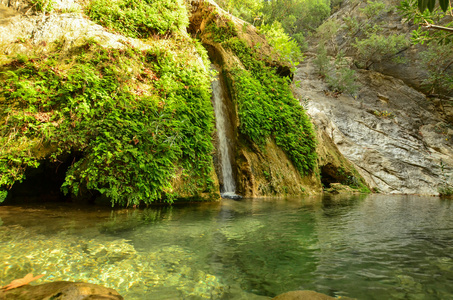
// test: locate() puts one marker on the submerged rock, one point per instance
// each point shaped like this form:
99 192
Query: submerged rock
338 188
232 196
62 290
302 295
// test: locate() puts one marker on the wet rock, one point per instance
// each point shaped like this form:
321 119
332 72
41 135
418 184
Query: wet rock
338 188
232 196
61 290
303 295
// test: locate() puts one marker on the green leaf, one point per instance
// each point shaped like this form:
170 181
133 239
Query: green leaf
444 4
431 4
423 4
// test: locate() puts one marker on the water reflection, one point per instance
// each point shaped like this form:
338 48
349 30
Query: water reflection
364 247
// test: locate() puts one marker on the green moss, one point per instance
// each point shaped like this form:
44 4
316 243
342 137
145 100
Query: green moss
221 29
137 18
268 109
136 117
3 195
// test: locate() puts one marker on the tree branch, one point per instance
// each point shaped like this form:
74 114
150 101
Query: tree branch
432 26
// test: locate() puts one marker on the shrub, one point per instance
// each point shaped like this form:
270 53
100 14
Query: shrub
327 32
445 190
438 60
42 5
374 8
322 61
287 48
221 29
377 47
338 75
300 40
3 195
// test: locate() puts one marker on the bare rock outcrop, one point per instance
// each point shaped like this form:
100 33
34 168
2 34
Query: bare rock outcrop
395 137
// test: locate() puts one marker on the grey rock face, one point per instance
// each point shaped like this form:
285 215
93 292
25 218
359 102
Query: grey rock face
391 132
23 31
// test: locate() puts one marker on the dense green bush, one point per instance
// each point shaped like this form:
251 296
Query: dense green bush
438 61
139 18
267 108
296 15
378 47
222 30
285 47
338 74
137 117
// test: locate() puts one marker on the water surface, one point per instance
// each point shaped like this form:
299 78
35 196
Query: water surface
364 247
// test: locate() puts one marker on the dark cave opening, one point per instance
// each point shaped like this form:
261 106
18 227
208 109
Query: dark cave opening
42 184
331 174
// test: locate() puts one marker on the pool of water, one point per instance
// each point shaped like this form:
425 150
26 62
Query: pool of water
363 247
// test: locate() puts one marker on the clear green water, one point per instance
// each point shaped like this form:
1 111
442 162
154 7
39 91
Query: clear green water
364 247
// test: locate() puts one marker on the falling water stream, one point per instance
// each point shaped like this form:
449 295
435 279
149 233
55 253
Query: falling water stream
229 186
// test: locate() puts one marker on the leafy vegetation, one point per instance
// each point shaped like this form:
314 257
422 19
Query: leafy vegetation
268 109
379 47
140 19
296 16
430 4
436 19
384 114
292 20
42 5
3 195
137 117
338 74
287 49
438 61
221 28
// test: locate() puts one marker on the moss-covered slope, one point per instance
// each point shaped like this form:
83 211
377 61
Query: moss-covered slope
137 121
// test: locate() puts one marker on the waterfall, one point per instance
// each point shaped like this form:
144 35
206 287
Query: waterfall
222 123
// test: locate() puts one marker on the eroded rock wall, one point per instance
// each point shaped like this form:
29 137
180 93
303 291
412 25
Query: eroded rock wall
392 133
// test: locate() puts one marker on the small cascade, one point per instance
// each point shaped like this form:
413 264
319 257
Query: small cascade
229 185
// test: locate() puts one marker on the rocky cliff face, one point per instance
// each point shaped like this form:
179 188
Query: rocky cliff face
399 139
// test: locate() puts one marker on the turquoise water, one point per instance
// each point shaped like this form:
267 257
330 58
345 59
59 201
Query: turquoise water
364 247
